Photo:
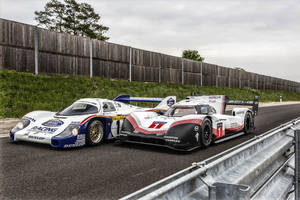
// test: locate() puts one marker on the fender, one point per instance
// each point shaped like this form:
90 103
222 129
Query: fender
106 120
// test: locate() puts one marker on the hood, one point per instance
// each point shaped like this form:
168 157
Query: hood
46 123
150 122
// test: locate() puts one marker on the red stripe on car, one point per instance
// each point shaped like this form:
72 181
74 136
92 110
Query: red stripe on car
238 128
136 127
87 119
192 121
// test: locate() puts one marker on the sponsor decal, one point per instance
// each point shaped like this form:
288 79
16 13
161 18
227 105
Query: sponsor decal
43 129
80 136
29 118
234 124
157 125
172 139
214 97
79 142
197 136
220 131
35 137
53 123
170 102
117 118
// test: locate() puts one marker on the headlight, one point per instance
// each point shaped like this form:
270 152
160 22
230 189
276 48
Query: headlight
23 123
71 130
75 131
20 125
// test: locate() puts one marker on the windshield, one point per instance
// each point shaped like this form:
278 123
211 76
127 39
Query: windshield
181 111
78 109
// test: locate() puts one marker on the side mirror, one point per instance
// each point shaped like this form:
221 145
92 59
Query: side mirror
105 106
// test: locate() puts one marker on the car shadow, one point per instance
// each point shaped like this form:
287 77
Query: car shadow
152 148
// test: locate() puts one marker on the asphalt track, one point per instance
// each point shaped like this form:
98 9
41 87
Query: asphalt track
109 171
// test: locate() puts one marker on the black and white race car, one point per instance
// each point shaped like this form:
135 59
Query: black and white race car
194 122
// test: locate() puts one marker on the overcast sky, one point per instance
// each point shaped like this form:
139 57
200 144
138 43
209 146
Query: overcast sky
259 36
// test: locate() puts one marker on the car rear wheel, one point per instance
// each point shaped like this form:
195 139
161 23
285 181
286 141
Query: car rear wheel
95 133
206 133
248 123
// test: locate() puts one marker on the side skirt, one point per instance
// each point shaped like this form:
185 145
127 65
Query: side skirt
230 136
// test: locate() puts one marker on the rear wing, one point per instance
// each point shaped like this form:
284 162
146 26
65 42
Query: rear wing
219 102
253 103
168 101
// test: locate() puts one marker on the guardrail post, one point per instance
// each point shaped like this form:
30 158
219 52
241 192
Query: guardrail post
257 81
159 69
217 77
229 73
182 71
36 51
201 73
91 58
297 163
130 64
240 82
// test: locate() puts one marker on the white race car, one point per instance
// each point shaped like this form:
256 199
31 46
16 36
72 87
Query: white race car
194 122
87 121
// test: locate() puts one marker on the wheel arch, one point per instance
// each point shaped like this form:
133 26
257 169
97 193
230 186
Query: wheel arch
209 118
105 121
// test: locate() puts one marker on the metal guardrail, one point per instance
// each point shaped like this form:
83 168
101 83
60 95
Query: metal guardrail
261 168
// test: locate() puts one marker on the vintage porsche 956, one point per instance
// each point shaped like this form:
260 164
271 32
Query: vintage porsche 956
194 122
87 121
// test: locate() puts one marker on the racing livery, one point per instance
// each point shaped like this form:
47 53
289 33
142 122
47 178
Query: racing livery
194 122
87 121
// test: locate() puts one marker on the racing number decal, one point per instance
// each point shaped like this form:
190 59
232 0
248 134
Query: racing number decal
220 131
157 125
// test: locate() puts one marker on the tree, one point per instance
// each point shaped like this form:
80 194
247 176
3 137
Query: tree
192 54
240 69
71 17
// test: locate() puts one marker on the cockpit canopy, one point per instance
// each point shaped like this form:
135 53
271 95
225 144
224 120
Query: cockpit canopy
182 110
78 108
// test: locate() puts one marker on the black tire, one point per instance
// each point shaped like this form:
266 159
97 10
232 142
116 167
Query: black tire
206 136
95 133
248 122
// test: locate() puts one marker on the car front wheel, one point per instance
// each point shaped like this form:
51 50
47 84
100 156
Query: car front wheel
95 133
206 133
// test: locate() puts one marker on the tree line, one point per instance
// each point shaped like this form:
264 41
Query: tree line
80 19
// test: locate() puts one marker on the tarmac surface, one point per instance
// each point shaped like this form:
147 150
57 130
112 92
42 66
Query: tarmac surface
108 171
